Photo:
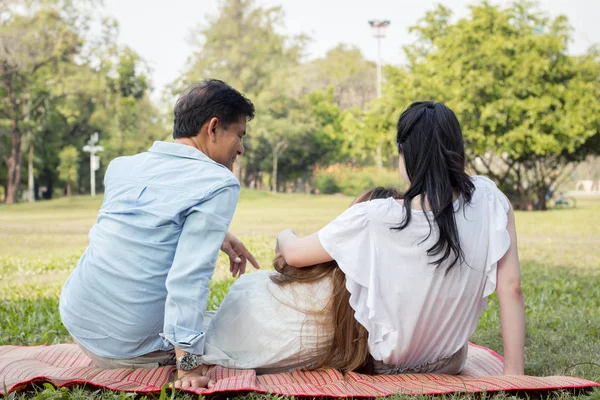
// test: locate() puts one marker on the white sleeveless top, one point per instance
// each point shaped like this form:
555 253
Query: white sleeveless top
414 313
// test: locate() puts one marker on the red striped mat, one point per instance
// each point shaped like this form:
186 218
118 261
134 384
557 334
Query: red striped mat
65 364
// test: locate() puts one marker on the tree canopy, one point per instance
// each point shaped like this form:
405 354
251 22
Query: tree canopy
58 85
529 109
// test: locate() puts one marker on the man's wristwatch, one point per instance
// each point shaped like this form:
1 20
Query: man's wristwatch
187 362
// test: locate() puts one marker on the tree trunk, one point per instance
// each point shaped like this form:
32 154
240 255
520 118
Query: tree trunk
259 181
277 150
541 196
379 155
274 176
30 178
14 166
237 170
120 149
69 189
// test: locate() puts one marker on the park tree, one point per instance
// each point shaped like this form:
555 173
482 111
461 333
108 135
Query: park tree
360 144
280 121
356 147
68 167
59 84
241 45
353 79
371 131
128 122
30 142
291 136
31 44
368 135
70 121
327 122
344 68
315 138
528 109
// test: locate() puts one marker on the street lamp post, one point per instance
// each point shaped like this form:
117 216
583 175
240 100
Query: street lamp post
92 148
379 28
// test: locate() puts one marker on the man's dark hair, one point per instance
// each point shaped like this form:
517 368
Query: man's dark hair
205 100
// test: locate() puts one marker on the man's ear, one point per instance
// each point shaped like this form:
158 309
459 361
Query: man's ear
213 124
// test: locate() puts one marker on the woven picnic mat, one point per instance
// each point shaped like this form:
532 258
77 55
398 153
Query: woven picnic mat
65 364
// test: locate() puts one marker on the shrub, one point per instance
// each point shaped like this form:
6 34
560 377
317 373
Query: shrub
351 181
325 183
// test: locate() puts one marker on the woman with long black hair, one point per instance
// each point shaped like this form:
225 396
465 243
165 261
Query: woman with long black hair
419 269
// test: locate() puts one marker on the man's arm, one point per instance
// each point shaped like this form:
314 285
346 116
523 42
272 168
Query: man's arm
187 281
512 308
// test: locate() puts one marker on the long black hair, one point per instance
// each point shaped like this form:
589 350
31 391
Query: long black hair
430 140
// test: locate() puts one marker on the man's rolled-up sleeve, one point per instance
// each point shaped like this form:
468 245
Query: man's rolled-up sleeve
193 266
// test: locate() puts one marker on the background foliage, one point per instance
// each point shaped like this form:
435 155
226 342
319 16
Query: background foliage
530 110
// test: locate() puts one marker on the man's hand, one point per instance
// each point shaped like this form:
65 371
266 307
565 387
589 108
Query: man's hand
192 379
238 255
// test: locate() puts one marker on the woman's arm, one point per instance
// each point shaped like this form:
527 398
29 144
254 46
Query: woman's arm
301 252
512 308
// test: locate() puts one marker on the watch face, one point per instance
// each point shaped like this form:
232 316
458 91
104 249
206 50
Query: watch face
188 362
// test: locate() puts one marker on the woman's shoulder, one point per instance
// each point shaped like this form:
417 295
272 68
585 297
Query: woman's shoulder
480 181
486 187
377 206
376 212
359 215
488 193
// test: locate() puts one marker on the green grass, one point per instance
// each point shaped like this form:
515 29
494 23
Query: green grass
559 250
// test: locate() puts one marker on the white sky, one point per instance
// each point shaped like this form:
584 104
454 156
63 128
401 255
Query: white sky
158 29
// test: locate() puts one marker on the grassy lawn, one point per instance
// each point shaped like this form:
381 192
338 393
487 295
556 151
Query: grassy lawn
559 251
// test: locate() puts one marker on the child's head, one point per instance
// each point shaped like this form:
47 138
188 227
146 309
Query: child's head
377 193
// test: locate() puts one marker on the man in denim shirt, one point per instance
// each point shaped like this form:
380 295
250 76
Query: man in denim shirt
138 294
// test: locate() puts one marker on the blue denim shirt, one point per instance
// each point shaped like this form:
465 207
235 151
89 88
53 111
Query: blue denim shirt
142 284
